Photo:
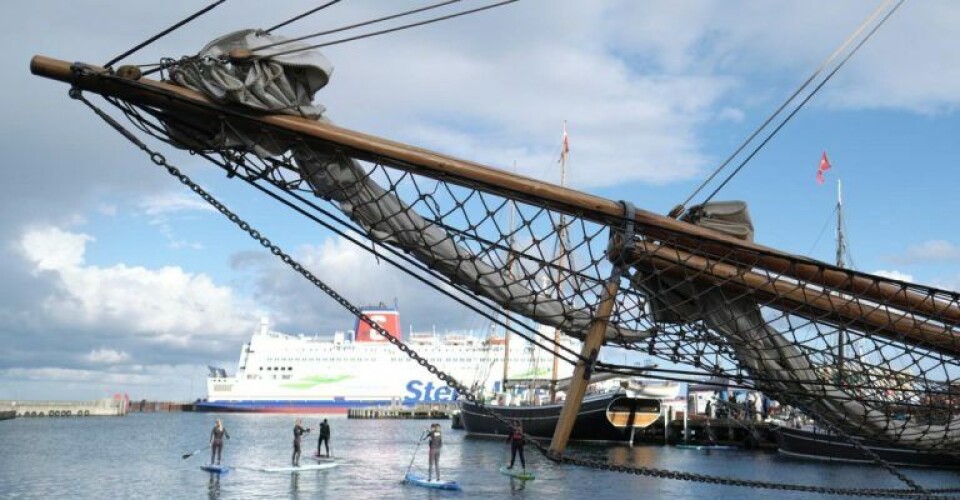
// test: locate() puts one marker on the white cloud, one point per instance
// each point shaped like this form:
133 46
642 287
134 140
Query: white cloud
948 283
51 249
164 208
166 305
166 203
354 274
930 251
180 382
895 275
106 356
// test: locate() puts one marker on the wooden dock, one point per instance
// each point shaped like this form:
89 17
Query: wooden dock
421 412
724 432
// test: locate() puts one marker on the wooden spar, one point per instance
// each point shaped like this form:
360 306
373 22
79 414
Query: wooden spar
799 298
175 98
581 373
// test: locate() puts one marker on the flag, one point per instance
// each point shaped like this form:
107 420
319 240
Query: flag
566 144
824 166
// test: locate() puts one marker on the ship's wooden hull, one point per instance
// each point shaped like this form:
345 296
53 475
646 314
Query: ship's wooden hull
608 417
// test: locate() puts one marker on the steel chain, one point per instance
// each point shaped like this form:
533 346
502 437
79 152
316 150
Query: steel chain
158 159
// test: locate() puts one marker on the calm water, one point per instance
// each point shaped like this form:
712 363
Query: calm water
139 456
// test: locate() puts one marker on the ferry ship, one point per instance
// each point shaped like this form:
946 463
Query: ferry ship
282 373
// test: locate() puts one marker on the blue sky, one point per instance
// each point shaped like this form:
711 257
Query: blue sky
116 279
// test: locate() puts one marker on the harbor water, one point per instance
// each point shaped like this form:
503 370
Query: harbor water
139 456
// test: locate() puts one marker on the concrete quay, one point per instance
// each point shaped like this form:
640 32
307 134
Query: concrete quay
105 407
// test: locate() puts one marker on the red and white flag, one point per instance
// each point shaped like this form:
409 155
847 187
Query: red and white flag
565 150
824 166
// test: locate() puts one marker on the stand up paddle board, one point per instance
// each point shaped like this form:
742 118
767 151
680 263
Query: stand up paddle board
322 458
302 468
217 469
706 447
419 480
517 473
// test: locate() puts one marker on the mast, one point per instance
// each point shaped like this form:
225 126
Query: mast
506 317
841 244
560 258
841 248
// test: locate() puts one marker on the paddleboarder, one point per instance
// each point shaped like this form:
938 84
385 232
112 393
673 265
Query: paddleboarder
216 442
324 437
298 432
435 442
515 438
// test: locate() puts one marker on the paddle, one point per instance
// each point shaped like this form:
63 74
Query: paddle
188 455
414 457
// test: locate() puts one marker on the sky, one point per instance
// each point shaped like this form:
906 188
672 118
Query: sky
117 279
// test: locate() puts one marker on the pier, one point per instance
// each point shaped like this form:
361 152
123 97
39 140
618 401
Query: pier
420 412
722 432
105 407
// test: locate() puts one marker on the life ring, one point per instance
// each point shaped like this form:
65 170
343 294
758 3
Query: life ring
54 413
86 413
66 413
37 414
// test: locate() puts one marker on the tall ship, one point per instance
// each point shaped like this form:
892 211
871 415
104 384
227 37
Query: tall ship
283 373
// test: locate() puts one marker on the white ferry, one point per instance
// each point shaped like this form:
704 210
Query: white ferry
281 373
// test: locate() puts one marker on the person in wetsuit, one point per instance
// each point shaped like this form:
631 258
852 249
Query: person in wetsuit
434 441
324 437
216 442
298 432
515 438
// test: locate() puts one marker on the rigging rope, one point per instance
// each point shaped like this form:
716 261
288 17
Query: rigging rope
391 30
351 26
679 208
804 101
164 33
301 16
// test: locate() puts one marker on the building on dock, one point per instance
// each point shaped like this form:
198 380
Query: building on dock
419 412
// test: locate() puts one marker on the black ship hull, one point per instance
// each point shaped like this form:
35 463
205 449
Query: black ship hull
607 417
827 447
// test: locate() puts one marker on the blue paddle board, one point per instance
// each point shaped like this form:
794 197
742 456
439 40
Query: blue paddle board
517 473
217 469
419 480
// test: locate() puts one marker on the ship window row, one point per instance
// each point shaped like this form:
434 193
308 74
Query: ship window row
370 359
276 368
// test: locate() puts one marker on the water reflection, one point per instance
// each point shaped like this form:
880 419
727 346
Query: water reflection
213 487
517 484
294 485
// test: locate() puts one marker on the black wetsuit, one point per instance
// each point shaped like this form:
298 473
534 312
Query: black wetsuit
298 431
435 442
516 445
324 438
216 443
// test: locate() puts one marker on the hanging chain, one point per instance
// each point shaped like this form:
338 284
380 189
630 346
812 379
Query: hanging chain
465 392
